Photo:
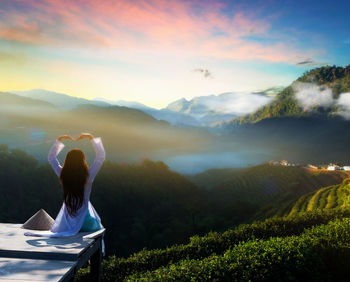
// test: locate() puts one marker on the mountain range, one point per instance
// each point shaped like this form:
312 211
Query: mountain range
318 92
202 111
302 123
205 111
129 134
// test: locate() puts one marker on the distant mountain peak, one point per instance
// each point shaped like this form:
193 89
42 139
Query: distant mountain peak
213 109
180 105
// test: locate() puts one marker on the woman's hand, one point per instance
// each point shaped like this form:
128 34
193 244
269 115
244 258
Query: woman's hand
85 135
62 137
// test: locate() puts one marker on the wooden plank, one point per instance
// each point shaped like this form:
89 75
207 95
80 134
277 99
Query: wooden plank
13 243
28 258
35 270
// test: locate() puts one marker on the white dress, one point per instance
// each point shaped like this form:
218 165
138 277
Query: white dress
65 224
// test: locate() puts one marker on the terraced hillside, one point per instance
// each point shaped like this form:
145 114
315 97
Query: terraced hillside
309 243
264 188
259 192
335 196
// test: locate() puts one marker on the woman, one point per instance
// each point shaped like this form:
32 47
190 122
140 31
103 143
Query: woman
77 213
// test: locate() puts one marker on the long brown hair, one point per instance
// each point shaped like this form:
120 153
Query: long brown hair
73 177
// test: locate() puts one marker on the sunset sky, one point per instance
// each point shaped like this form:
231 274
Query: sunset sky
155 52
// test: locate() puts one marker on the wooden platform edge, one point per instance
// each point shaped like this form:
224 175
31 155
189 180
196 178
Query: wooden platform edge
96 234
38 255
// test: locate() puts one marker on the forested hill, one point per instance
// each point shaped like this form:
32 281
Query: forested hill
286 105
8 99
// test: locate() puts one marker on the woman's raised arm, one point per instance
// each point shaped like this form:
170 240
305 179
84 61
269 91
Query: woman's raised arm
99 159
54 151
100 154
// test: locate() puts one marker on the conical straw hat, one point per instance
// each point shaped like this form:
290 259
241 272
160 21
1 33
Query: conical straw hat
39 221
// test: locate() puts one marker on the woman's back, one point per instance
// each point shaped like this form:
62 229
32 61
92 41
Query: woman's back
66 222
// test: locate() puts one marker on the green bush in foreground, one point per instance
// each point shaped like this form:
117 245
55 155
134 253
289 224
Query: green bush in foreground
319 254
214 243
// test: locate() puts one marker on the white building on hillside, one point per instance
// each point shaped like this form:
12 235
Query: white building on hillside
333 167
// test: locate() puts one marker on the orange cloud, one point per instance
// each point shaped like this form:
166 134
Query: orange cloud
190 27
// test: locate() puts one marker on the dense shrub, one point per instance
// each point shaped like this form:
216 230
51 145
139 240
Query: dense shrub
216 243
319 254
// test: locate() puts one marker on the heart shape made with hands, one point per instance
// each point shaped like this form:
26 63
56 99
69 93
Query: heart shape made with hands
81 137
